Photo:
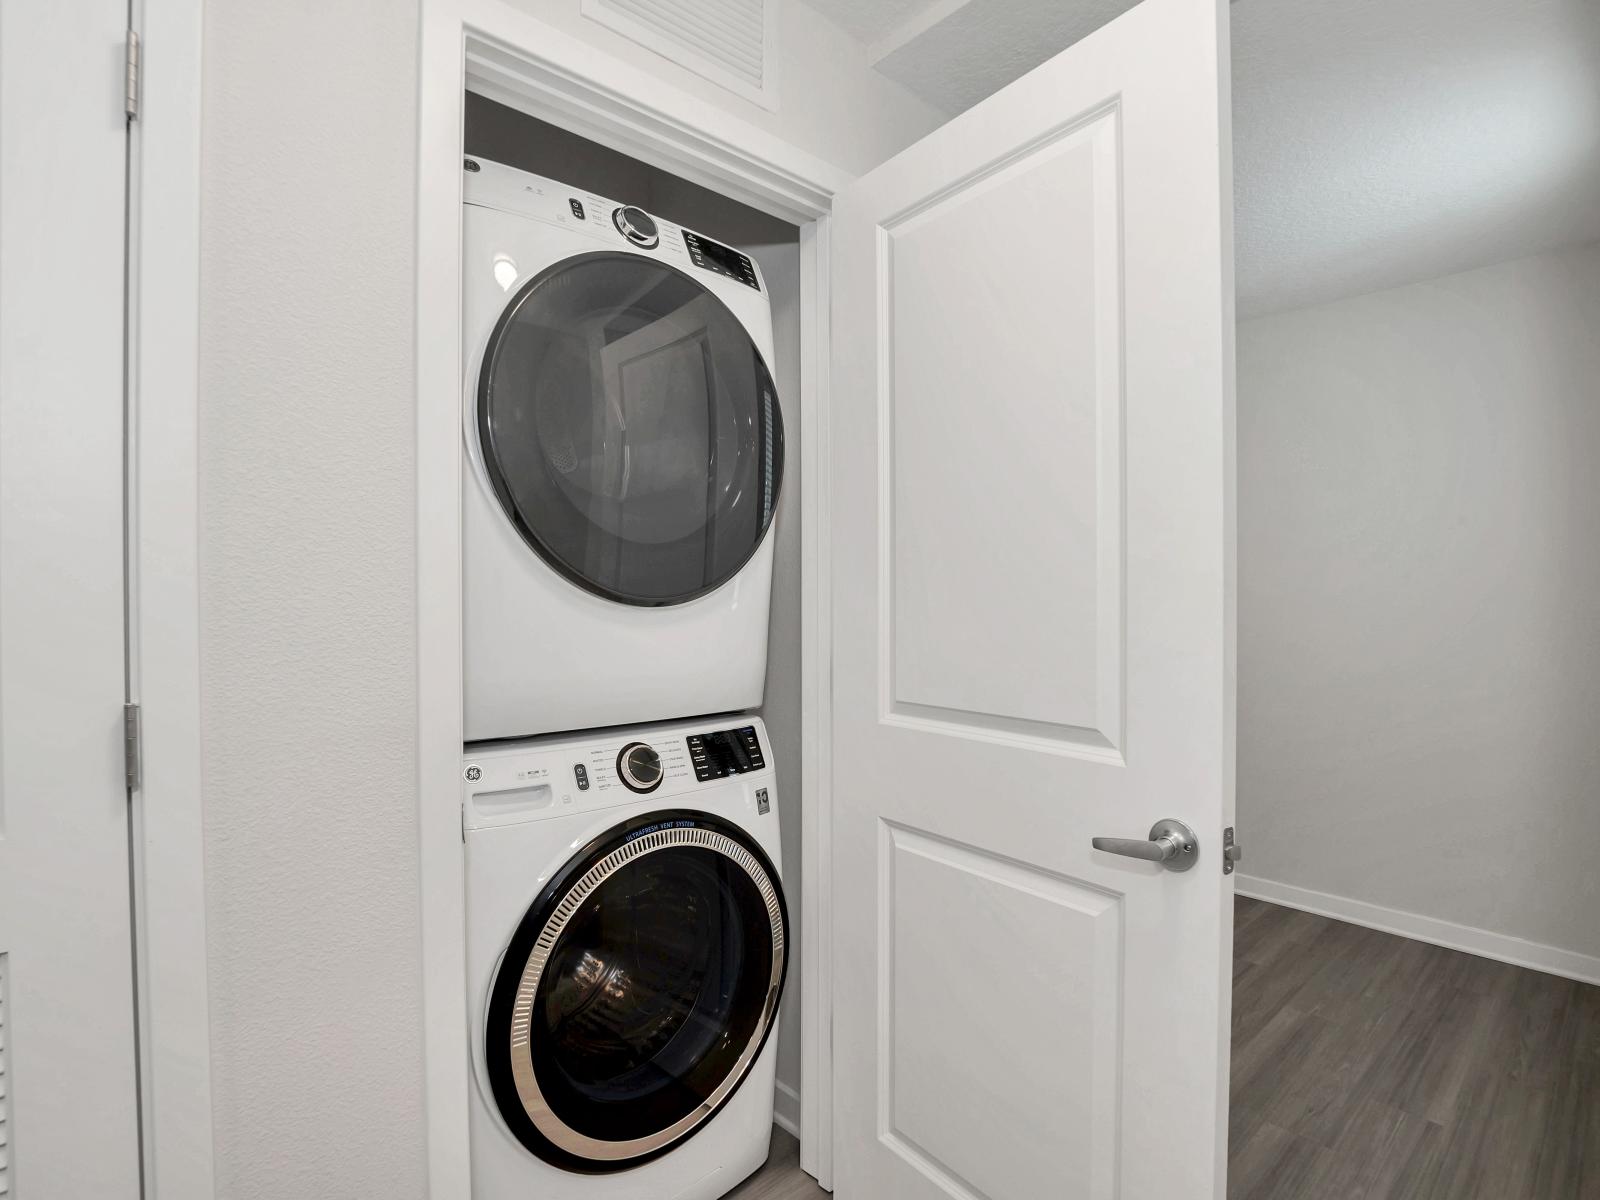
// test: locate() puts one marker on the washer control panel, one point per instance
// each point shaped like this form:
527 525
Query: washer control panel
546 777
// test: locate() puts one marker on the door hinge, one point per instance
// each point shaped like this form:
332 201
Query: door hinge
131 748
1232 852
130 96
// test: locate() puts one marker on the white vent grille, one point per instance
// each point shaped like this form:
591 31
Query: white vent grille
5 1089
730 42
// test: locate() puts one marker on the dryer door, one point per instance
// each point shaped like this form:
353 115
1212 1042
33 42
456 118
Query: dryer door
630 429
637 992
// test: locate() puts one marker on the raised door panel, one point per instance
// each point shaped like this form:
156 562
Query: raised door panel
1001 408
999 1068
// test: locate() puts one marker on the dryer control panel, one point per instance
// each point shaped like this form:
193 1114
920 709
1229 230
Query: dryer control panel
724 260
496 185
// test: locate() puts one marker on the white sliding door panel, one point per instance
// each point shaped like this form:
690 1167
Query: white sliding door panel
1033 604
71 1124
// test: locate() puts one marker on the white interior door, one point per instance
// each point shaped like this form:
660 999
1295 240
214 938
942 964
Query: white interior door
68 1116
1033 441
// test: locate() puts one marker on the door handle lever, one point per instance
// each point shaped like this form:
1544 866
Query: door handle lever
1171 843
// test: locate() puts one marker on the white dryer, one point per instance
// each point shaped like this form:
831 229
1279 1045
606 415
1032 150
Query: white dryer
624 454
627 943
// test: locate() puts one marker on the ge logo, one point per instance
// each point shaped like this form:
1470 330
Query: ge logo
474 774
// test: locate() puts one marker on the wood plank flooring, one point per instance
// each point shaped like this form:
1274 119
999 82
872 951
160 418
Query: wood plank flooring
1372 1067
781 1178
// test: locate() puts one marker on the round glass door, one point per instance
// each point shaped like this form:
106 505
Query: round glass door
630 429
637 992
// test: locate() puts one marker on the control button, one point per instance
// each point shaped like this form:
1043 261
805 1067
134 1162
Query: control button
752 746
577 209
640 767
582 773
638 226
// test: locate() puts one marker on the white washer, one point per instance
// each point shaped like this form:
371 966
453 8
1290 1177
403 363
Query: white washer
627 943
624 454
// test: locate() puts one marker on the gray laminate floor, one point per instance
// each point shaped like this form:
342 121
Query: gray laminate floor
781 1178
1371 1067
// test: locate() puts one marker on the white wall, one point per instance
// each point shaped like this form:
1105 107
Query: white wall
1419 598
308 568
308 563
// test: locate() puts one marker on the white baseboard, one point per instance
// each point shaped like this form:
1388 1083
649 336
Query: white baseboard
1551 959
786 1108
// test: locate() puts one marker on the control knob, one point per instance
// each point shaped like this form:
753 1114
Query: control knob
638 226
639 767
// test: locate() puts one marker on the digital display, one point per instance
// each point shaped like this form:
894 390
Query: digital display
726 752
724 256
724 260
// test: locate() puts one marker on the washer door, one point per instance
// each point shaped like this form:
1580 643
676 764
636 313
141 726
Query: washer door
630 429
637 991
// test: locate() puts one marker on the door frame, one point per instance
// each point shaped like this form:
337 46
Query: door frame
520 60
163 596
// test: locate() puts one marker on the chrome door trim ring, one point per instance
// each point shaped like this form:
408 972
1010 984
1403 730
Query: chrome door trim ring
538 1110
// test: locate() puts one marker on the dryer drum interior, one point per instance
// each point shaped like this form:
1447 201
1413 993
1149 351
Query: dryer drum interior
630 428
637 992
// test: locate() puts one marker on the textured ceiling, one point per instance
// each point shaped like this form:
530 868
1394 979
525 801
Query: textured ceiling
1379 142
1376 142
960 59
869 21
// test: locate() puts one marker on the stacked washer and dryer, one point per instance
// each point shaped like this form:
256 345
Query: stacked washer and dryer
627 933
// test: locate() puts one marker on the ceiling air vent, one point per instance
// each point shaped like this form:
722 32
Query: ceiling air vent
729 42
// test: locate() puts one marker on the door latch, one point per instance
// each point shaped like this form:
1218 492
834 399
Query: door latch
1232 852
